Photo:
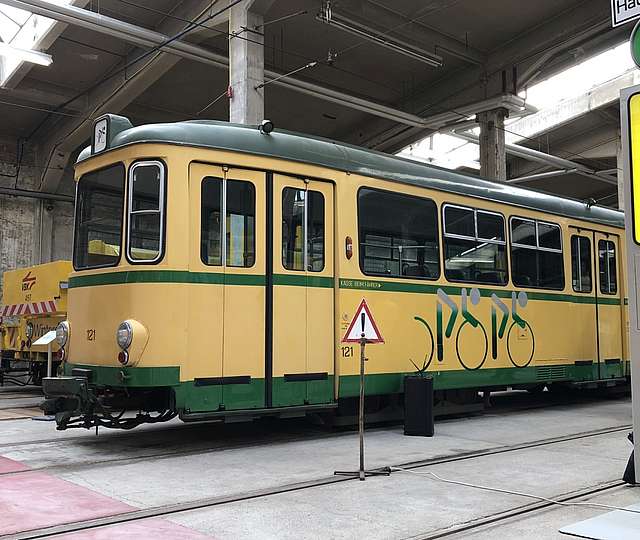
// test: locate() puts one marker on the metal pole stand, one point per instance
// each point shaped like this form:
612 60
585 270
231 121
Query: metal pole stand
362 473
49 360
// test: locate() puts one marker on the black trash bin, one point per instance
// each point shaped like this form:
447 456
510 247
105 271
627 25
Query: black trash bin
418 406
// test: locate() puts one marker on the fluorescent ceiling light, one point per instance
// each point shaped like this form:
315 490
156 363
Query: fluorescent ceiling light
25 55
361 30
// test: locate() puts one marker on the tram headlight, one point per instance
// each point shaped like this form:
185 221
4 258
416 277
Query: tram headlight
62 333
28 331
124 335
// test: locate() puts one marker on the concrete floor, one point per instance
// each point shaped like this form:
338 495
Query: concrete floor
157 465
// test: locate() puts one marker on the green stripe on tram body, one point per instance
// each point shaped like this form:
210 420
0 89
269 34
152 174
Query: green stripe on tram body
208 278
183 276
424 288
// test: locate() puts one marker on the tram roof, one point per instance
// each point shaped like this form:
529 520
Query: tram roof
336 155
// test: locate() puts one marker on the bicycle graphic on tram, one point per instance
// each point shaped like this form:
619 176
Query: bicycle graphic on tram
471 329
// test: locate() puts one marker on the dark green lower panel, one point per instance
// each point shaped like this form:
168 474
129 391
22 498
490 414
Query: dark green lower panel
194 398
129 376
287 393
392 383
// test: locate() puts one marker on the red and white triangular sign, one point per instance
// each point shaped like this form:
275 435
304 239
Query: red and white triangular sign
363 323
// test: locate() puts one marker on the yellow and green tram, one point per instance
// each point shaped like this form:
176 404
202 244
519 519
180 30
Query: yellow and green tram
217 267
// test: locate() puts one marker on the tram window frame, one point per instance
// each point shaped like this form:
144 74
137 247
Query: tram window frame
477 239
223 232
576 264
308 214
78 209
609 290
538 249
362 245
162 209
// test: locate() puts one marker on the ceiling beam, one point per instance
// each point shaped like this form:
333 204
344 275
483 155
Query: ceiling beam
471 83
418 30
45 94
553 118
41 43
60 139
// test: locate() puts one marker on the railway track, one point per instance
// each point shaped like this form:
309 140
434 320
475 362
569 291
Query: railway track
202 448
502 407
209 502
520 511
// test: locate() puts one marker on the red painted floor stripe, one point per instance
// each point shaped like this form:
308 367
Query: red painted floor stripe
32 500
9 465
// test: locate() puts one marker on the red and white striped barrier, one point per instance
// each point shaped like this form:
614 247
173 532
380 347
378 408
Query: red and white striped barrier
30 308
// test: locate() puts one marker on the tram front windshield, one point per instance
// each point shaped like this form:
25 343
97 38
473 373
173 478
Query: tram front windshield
98 220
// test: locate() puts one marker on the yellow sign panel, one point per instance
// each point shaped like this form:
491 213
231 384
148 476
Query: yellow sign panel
634 142
40 283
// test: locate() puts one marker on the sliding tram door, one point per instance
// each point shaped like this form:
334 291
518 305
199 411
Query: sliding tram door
609 305
227 293
303 292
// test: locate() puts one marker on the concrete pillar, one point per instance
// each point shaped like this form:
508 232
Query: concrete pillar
493 158
246 64
45 230
620 165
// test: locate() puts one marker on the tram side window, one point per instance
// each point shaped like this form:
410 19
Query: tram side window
581 263
302 215
98 220
146 208
536 254
474 246
241 218
240 223
607 267
398 235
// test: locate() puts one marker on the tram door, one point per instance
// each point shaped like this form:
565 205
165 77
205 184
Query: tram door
583 317
227 298
303 292
609 304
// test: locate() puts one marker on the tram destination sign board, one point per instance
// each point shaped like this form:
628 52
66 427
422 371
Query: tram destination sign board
623 11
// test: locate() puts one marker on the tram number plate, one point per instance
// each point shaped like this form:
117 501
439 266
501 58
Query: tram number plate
347 352
91 334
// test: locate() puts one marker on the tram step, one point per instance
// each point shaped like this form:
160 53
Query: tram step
601 383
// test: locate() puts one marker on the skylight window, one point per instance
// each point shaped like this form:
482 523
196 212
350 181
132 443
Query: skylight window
448 151
22 33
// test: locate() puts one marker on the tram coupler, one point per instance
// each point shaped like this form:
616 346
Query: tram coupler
66 398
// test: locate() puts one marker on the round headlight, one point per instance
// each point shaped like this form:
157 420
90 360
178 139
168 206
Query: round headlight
29 330
124 335
62 333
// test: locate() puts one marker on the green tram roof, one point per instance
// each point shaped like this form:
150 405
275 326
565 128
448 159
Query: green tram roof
327 153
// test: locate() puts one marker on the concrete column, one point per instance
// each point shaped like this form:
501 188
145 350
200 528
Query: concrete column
246 65
45 230
620 166
493 158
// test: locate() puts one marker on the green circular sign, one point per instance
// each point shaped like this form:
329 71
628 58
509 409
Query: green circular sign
634 42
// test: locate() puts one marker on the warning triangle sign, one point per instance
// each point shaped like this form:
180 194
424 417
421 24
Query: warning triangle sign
363 323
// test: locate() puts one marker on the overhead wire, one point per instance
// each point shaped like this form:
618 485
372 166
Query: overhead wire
285 51
196 23
155 49
144 55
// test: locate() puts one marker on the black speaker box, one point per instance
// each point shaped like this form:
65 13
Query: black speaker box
418 406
